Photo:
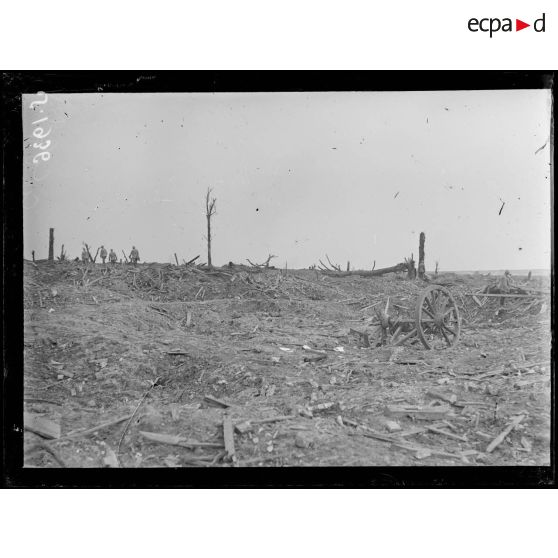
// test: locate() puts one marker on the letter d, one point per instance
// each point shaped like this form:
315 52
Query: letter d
535 25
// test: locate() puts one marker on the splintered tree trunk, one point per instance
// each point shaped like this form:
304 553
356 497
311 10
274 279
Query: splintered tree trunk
421 269
209 240
209 211
51 245
364 273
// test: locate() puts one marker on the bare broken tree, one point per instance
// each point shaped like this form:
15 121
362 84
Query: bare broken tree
265 264
210 210
62 257
324 267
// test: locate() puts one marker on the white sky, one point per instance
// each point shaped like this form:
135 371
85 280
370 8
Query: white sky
356 175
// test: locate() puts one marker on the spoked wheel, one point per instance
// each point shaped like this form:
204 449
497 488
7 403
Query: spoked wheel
437 318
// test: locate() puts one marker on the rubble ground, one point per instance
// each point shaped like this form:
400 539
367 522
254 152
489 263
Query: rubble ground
162 358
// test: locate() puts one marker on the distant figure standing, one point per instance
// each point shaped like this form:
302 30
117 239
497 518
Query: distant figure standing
134 255
103 254
84 256
112 256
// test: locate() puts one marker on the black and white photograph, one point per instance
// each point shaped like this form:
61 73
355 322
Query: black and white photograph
287 279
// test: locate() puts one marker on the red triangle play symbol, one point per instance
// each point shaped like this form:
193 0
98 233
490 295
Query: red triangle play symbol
519 25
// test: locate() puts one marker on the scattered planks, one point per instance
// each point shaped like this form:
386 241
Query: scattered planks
445 433
503 435
420 451
423 413
176 440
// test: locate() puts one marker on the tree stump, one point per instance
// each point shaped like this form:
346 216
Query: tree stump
421 268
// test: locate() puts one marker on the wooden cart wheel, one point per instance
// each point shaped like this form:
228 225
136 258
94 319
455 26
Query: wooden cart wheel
437 318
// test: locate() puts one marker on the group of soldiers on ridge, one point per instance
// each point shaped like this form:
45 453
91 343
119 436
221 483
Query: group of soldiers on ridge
112 258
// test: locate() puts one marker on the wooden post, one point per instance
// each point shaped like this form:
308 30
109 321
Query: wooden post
421 269
175 257
33 255
348 266
51 245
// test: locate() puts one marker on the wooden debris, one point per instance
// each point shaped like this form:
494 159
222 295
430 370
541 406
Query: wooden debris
444 433
526 444
393 426
80 433
503 435
176 440
41 426
369 433
506 295
245 426
153 384
263 459
411 432
362 335
422 451
228 435
315 358
177 352
423 413
215 402
321 406
349 422
451 399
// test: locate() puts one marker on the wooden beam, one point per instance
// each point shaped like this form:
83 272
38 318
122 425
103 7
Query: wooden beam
505 295
228 435
503 435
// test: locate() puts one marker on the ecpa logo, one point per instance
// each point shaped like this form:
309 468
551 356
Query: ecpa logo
494 24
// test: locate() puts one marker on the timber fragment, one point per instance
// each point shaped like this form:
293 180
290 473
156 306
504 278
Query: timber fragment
41 426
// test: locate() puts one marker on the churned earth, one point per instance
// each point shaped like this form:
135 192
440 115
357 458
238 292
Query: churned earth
146 366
